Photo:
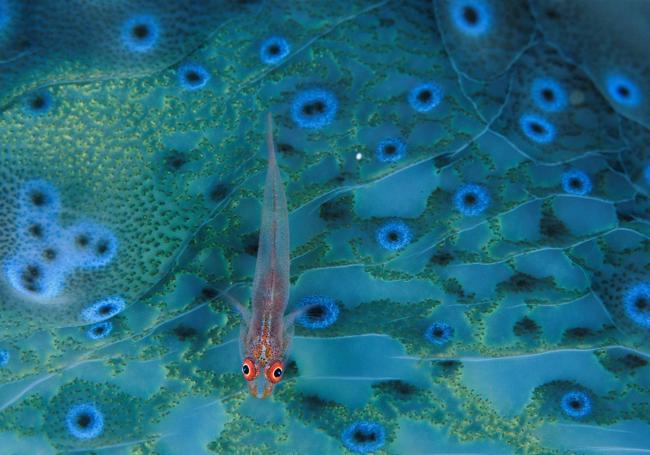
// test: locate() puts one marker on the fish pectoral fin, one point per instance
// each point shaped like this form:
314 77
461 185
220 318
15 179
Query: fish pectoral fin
290 318
238 307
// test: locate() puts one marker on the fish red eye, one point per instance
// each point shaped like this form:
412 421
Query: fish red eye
248 369
274 372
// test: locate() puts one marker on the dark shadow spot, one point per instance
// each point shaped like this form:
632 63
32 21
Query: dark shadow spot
441 161
184 332
37 102
286 149
218 192
522 282
336 209
291 369
175 160
251 243
633 361
208 293
442 258
552 14
550 226
578 332
525 326
622 216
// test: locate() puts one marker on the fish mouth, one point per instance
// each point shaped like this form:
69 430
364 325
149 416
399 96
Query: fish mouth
265 389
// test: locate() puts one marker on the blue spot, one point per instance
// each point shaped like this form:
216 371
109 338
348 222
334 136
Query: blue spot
140 33
103 309
537 128
84 421
31 277
622 90
99 330
576 182
471 17
390 150
38 102
471 199
91 245
314 108
274 49
646 174
549 95
364 437
576 404
393 235
425 96
636 303
193 76
322 314
439 333
38 197
4 357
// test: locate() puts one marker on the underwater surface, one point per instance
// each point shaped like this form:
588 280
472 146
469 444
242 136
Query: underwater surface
467 183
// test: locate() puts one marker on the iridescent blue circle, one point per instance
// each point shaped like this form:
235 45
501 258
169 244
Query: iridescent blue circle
636 303
425 97
99 330
314 108
622 90
471 199
393 235
576 404
103 309
364 437
327 312
471 17
537 128
192 76
274 49
549 95
439 333
84 421
4 357
576 182
390 150
140 33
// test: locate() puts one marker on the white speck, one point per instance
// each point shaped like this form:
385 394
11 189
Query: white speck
359 156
